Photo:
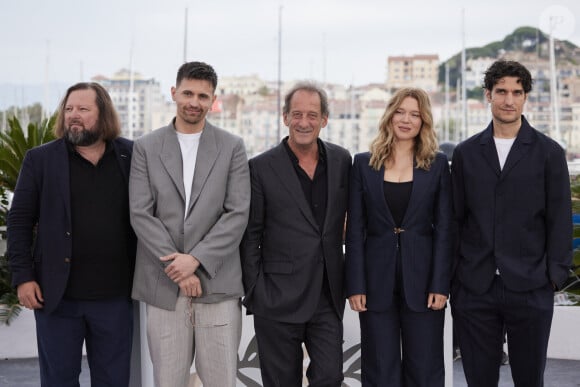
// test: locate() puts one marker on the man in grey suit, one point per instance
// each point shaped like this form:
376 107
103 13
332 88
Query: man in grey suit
292 250
189 198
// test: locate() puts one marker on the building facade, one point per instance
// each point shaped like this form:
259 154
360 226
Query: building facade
413 71
137 100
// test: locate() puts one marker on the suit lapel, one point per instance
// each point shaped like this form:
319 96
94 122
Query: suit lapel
331 178
489 150
61 162
420 181
171 159
520 147
284 171
207 154
376 183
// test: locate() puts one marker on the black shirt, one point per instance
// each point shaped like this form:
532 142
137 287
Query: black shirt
397 196
315 189
100 264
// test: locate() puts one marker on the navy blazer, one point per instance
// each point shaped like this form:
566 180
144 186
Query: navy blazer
284 252
41 203
425 245
516 219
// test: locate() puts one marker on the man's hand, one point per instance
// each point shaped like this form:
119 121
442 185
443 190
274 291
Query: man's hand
30 295
358 302
191 286
182 267
436 301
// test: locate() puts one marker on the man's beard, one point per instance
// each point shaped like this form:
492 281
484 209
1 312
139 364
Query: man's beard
83 137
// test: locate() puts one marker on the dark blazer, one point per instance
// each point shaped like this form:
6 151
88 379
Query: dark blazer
517 219
284 252
41 203
426 243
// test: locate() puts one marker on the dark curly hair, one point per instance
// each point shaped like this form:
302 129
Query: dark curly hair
507 68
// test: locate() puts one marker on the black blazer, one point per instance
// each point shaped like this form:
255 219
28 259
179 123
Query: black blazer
426 244
42 200
283 251
518 219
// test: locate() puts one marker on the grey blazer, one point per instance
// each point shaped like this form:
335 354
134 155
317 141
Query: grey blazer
214 222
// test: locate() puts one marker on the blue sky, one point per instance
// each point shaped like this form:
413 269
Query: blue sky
341 41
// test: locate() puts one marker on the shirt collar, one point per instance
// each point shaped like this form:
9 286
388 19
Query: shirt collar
321 151
72 150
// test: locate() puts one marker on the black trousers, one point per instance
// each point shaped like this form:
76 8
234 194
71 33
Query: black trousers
281 354
480 321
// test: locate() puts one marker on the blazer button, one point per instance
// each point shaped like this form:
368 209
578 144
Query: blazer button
67 260
67 233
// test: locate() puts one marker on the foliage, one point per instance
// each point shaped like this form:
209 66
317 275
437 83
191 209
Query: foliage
31 113
572 285
475 93
14 144
263 91
575 191
4 203
9 306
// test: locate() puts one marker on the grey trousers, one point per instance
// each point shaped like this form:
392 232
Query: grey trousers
210 333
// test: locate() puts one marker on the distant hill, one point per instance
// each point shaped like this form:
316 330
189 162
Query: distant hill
523 39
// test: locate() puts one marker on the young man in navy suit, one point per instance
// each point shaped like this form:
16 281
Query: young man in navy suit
511 193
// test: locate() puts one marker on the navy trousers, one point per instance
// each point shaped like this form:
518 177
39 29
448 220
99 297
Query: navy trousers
481 320
105 326
401 347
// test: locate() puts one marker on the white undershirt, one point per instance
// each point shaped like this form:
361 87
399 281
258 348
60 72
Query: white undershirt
189 143
503 146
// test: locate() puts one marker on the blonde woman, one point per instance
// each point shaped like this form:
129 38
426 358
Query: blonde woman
398 247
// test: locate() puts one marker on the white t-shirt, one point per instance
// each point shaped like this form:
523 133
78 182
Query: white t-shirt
503 146
189 143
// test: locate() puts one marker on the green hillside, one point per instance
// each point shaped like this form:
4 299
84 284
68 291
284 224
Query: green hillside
523 39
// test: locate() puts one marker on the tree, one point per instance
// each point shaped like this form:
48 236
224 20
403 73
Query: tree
13 146
475 93
263 91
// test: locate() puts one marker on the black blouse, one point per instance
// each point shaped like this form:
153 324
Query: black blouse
397 196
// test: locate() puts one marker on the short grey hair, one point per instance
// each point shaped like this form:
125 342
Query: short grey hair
308 86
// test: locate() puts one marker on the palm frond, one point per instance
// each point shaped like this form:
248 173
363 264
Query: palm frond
15 139
46 133
13 146
9 308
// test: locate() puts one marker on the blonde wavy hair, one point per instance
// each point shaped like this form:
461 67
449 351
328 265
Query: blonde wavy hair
426 145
